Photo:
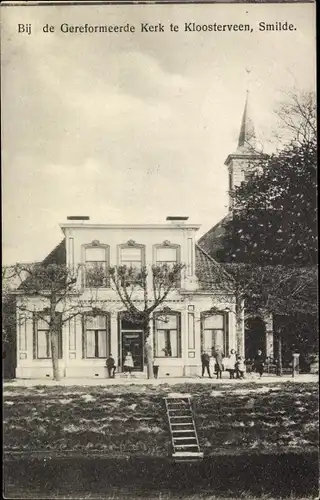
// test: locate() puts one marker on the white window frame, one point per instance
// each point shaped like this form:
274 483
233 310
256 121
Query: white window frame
156 317
165 246
96 330
207 314
36 330
105 262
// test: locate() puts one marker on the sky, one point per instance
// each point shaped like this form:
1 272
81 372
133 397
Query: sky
133 127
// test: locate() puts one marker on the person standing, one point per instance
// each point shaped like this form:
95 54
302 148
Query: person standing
128 364
240 367
259 363
205 361
155 368
111 366
218 355
232 362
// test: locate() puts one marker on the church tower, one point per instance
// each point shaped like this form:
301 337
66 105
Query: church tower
244 161
241 165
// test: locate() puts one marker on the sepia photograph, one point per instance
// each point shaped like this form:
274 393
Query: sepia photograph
160 335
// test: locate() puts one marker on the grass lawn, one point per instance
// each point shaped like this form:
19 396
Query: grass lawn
290 476
130 420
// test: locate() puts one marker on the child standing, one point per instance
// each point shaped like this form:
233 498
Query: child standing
240 367
232 362
128 364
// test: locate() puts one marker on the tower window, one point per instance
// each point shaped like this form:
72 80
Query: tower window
248 176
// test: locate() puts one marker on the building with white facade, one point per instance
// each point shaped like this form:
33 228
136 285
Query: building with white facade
197 315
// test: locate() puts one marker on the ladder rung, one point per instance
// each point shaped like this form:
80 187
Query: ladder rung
182 423
178 409
186 446
183 430
178 403
181 416
184 438
178 397
187 454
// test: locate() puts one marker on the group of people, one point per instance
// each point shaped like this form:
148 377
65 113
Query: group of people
217 363
234 364
127 365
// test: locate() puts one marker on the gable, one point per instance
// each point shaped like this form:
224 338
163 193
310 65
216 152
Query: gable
56 256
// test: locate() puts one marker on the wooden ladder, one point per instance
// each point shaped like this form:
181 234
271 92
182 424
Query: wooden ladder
184 438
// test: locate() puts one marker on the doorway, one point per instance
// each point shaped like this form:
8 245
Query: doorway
131 341
255 337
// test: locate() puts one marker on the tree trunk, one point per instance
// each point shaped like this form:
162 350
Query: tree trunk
239 329
279 371
55 354
148 352
54 336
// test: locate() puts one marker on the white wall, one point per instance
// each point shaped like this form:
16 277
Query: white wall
78 236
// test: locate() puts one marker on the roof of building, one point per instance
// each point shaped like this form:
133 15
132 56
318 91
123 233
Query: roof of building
58 254
211 241
210 273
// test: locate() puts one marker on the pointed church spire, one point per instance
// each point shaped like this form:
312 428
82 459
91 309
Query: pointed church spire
247 138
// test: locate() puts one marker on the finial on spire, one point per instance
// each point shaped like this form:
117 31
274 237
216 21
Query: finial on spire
248 71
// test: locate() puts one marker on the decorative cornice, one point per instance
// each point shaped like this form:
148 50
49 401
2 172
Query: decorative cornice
131 243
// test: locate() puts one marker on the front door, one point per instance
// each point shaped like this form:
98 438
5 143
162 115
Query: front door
132 341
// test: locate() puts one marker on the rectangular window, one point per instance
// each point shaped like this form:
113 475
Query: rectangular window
22 323
166 256
248 176
131 257
167 336
96 337
96 260
72 334
213 334
42 342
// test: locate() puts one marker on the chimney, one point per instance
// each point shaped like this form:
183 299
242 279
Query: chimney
177 219
78 217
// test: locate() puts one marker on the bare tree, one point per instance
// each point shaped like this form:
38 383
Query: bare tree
54 286
8 304
140 292
297 117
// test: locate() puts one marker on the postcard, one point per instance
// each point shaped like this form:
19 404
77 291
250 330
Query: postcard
159 243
